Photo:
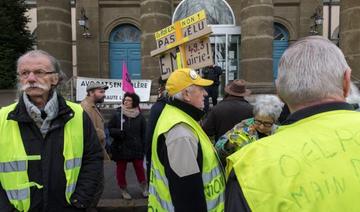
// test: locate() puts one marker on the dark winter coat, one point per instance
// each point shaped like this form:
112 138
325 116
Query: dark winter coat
128 144
155 113
225 115
49 170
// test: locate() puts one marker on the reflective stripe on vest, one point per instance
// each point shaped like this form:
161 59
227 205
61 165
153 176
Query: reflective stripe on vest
73 149
70 188
311 165
73 163
212 173
158 176
207 177
13 159
20 194
168 206
13 166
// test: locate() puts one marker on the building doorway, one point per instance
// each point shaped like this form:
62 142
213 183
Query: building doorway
225 39
125 47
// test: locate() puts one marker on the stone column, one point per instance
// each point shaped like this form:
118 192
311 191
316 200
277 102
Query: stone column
87 48
155 15
54 31
256 23
350 34
307 10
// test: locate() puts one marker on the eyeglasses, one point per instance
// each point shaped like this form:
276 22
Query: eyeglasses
264 123
38 73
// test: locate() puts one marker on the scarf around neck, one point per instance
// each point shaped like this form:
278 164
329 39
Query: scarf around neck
51 110
131 112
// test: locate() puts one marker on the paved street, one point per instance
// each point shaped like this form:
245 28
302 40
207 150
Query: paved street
111 199
7 97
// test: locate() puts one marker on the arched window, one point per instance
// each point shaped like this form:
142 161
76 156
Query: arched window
218 12
280 32
125 33
280 44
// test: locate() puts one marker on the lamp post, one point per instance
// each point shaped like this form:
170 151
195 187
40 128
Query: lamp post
317 21
84 23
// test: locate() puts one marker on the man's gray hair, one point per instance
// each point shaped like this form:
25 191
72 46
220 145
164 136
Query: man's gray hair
40 53
179 95
310 70
268 105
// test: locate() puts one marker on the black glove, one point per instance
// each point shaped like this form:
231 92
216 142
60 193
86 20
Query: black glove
117 134
122 134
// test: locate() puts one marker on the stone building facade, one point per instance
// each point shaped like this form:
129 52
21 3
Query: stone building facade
247 45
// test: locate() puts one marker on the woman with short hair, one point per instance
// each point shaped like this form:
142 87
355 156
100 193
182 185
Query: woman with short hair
267 109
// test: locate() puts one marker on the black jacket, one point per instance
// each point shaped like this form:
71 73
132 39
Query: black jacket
213 73
129 143
225 115
49 170
155 113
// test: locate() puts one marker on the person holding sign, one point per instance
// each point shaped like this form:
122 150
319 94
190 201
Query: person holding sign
186 174
127 127
312 161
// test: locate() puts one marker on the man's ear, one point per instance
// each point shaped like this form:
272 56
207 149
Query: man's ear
185 95
55 79
346 82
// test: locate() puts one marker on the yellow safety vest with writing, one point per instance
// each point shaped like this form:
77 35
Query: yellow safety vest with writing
310 165
14 160
212 173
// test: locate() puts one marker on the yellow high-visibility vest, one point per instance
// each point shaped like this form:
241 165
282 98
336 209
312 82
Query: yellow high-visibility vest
14 160
212 173
310 165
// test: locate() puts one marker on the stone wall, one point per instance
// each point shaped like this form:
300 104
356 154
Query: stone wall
54 31
350 34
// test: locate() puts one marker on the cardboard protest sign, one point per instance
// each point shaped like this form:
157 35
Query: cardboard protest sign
187 39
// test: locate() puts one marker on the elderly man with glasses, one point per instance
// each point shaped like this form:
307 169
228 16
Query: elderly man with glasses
50 156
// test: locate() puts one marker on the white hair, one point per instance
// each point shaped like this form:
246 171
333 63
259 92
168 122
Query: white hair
268 105
179 95
310 70
55 65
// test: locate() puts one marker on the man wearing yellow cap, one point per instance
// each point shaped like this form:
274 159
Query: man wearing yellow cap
186 174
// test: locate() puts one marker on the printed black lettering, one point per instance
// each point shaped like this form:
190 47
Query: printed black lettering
217 186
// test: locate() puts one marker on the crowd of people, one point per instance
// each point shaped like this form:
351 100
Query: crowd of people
294 151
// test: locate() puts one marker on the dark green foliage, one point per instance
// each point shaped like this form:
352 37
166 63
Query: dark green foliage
15 39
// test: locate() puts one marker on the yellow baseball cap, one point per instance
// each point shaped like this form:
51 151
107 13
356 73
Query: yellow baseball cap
183 78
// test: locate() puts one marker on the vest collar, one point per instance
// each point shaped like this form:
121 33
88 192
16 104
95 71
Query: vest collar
321 108
192 111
